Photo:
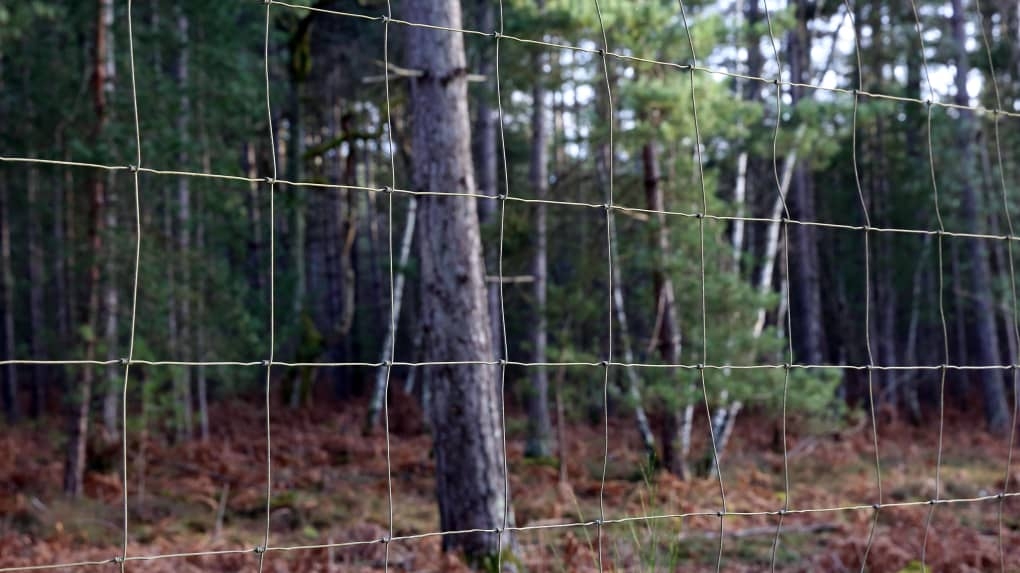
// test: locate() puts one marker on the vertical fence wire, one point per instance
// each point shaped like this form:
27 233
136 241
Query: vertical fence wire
394 319
134 288
1014 306
502 305
941 289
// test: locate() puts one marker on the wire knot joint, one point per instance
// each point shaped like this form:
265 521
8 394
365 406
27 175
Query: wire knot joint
259 549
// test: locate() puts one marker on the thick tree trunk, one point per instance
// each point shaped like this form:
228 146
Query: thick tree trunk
464 404
986 334
539 424
805 282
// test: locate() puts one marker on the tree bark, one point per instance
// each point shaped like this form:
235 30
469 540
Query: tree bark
111 299
488 166
539 424
35 302
78 412
668 337
379 392
986 335
464 400
10 395
184 327
809 332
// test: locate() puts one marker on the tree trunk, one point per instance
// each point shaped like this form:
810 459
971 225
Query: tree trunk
986 335
603 155
111 378
668 337
379 392
111 300
200 288
10 394
78 412
809 335
539 424
464 404
488 167
35 302
295 172
184 330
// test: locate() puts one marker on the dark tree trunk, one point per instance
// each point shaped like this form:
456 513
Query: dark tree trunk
78 411
464 404
539 424
667 337
487 163
805 281
10 371
36 291
184 326
986 340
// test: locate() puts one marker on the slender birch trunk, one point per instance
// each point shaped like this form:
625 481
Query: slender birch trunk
379 390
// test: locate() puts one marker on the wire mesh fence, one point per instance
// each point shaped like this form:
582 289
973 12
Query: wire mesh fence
270 183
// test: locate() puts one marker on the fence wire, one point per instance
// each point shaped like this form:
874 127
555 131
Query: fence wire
610 208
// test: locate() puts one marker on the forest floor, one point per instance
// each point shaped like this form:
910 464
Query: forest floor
330 486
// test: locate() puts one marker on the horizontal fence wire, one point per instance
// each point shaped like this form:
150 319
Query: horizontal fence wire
554 202
599 364
276 185
524 528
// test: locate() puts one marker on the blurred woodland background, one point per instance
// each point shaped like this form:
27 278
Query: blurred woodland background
702 313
